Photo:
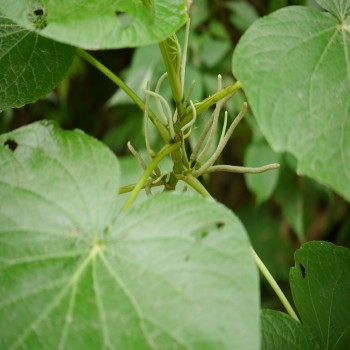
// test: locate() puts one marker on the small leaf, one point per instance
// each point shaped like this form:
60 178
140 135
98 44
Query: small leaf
199 12
280 331
294 67
262 185
320 283
243 14
99 24
174 50
145 60
171 272
30 66
213 51
194 74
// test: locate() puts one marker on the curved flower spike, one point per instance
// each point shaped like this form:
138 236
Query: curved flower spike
222 144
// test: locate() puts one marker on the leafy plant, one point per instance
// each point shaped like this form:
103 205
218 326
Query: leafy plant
81 266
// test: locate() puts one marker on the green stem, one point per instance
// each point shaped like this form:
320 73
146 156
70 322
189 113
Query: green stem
263 269
241 169
174 78
131 93
168 148
141 183
194 183
129 188
210 101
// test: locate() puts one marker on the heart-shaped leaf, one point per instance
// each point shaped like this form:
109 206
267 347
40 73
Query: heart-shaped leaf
30 66
339 8
171 272
320 283
99 24
294 66
280 331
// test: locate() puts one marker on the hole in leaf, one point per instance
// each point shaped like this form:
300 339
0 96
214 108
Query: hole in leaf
38 12
303 271
220 224
38 15
12 145
124 19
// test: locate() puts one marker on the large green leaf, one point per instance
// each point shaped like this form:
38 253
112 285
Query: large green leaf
171 272
30 66
320 283
294 66
339 8
280 331
99 24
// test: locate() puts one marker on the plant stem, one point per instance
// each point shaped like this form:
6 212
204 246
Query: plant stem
241 169
210 101
129 188
194 183
141 183
168 148
263 269
131 93
173 75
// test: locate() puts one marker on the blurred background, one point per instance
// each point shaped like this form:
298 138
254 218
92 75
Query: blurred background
279 209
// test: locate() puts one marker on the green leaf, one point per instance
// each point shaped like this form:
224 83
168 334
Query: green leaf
173 48
194 74
217 30
30 66
213 51
268 240
99 24
262 185
280 331
290 195
294 67
339 8
145 62
243 14
199 12
320 283
171 272
298 198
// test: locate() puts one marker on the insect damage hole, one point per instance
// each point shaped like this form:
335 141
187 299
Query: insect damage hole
38 12
37 15
303 271
219 224
12 145
124 19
